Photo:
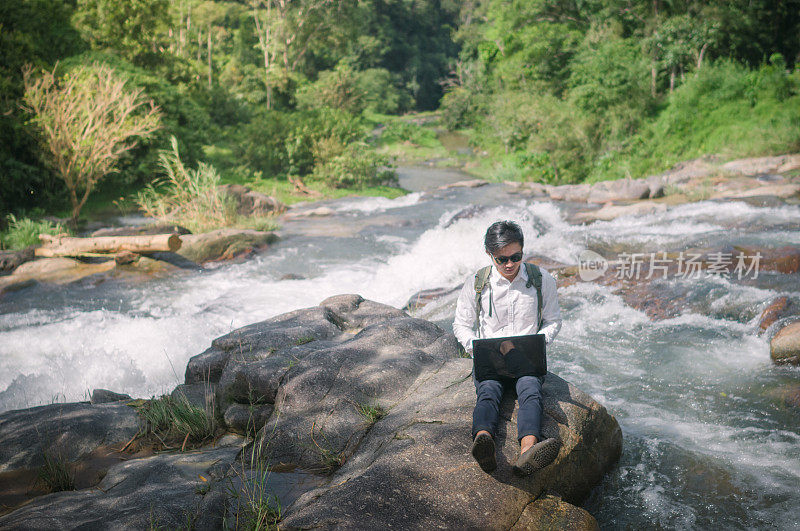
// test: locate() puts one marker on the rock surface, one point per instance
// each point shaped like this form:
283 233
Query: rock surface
224 244
70 431
550 512
785 345
252 203
352 388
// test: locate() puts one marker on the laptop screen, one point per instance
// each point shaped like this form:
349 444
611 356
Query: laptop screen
509 357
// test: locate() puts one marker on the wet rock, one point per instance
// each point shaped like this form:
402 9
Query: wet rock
788 394
551 512
104 396
773 190
619 190
761 165
224 244
466 213
785 345
292 276
59 270
779 308
611 211
578 193
10 260
174 259
782 260
69 431
413 468
166 491
319 212
472 183
143 230
247 418
252 203
688 170
422 298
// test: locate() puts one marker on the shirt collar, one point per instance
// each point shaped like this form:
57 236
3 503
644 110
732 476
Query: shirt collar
522 275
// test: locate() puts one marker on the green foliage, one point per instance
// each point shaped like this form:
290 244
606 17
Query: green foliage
23 232
278 143
380 93
256 507
175 420
187 197
337 89
56 474
356 167
134 27
724 109
405 131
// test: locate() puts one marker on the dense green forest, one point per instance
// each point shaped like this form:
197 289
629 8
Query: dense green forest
273 92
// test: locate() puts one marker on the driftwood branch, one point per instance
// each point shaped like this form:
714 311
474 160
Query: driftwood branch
68 246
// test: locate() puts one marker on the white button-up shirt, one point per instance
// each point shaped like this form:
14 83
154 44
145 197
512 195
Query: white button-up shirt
514 308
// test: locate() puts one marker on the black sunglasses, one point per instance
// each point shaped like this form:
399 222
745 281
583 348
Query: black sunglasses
516 257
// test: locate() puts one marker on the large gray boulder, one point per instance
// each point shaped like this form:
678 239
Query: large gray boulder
375 402
413 469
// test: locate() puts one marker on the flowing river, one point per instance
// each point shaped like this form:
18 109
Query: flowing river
706 443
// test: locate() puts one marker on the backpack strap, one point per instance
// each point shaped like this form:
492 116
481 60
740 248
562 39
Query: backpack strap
535 279
481 279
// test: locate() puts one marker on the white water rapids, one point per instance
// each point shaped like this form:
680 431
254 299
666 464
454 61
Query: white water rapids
706 444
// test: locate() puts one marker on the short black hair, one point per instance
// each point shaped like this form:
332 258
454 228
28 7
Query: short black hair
502 233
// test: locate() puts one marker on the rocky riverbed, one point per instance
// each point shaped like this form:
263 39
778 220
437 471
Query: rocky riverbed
307 379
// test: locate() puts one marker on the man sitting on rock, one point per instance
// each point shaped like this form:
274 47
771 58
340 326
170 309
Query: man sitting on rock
508 306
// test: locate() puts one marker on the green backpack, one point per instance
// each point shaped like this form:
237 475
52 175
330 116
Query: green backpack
482 276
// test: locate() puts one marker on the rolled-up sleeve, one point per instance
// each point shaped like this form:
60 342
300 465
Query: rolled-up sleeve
466 309
551 312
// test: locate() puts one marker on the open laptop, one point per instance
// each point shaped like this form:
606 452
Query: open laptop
509 357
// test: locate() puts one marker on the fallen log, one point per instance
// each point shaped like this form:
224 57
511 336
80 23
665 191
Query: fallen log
69 246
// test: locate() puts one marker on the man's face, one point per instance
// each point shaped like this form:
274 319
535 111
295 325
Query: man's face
510 269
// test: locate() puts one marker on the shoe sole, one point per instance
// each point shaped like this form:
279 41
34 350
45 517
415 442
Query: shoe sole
483 452
537 457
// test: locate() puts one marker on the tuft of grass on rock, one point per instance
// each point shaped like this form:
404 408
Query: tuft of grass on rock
175 421
303 340
372 413
55 474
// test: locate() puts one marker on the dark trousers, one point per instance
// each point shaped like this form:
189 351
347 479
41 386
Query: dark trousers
487 408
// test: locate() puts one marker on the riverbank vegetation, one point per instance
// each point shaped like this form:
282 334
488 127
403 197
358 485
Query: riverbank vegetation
308 99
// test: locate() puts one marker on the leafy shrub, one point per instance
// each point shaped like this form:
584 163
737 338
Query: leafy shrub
379 90
185 196
278 143
402 131
356 167
338 89
22 232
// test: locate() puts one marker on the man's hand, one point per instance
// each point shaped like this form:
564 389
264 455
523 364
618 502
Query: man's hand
506 347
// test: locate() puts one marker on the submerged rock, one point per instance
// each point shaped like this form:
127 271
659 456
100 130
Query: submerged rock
785 345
